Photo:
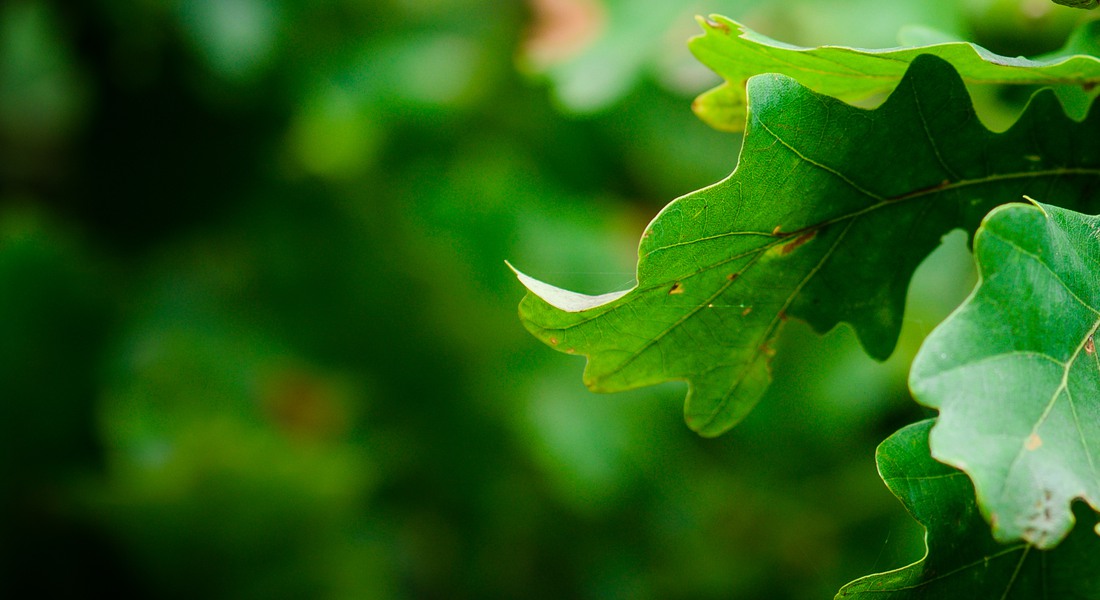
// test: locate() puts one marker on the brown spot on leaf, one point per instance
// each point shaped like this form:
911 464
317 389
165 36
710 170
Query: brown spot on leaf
776 230
1090 346
1033 442
731 276
553 341
745 313
305 405
720 26
798 241
677 288
571 351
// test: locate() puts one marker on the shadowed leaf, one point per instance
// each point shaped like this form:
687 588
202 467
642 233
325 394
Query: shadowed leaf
962 560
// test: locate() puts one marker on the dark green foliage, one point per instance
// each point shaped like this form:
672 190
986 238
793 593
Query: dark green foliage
963 560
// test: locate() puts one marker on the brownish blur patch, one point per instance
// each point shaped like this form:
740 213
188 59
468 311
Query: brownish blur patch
305 405
560 29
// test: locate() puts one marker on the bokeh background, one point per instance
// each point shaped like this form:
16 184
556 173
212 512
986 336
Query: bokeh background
257 337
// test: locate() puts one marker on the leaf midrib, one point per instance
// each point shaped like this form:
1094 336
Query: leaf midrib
1067 366
781 237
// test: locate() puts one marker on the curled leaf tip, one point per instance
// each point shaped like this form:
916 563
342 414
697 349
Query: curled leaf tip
712 22
1036 204
564 300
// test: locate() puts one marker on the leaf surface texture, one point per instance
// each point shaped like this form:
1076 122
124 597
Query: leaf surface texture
962 560
1015 372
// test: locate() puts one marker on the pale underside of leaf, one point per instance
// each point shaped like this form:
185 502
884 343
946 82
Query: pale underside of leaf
828 213
564 300
854 74
1015 372
962 560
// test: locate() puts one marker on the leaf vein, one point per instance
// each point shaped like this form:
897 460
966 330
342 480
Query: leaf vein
820 165
773 324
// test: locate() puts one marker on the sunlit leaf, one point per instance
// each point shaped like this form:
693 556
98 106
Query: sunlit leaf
1016 376
828 213
851 74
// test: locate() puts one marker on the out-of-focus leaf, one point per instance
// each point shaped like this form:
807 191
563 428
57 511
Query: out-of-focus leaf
962 558
228 452
42 89
1015 373
619 51
53 325
827 215
238 38
851 74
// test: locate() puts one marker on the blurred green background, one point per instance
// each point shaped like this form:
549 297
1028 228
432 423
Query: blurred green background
257 338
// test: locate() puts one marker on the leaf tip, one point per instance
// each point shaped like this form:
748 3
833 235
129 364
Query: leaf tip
713 23
1038 205
707 426
564 300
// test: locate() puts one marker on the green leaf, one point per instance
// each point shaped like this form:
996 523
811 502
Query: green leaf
737 53
1079 3
1016 375
826 217
962 559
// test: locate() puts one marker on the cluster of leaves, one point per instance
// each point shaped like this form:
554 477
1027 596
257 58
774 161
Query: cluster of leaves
828 213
